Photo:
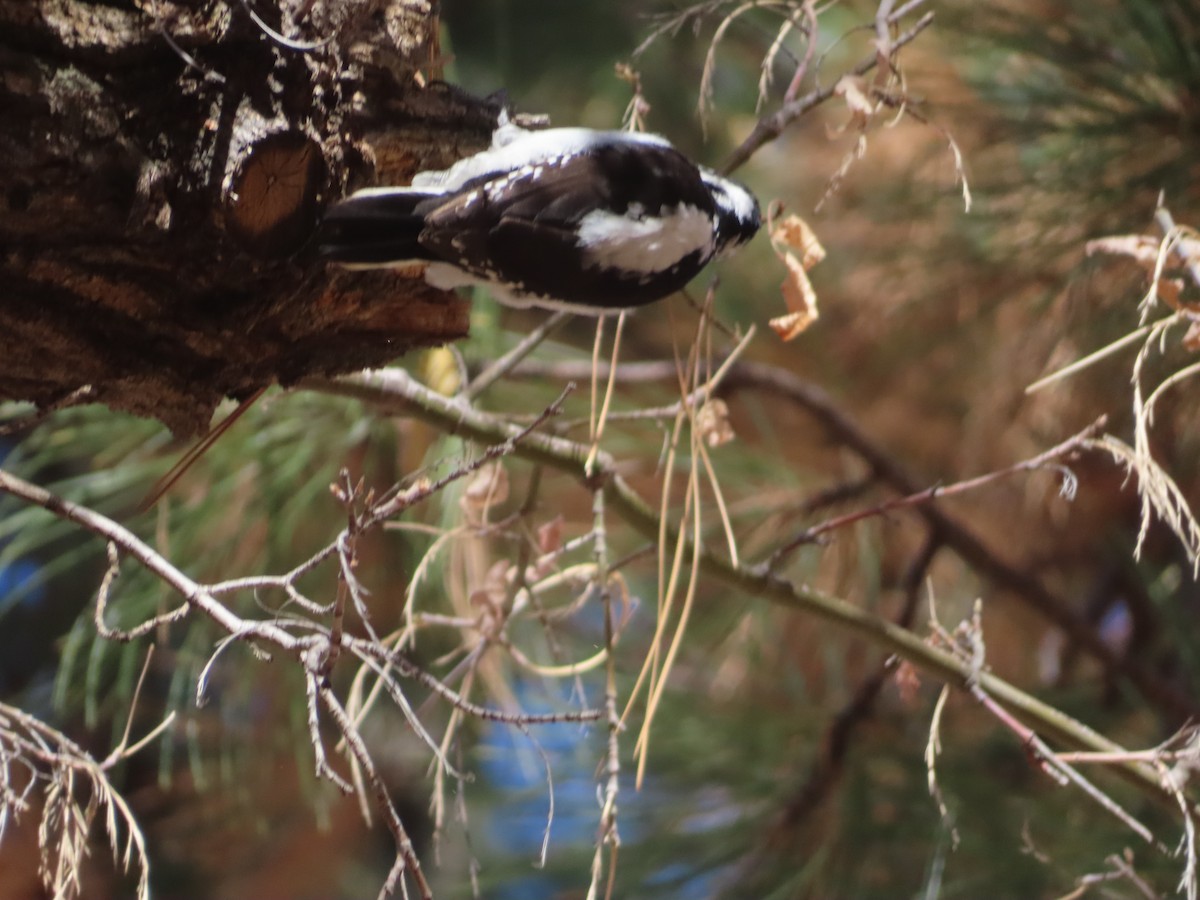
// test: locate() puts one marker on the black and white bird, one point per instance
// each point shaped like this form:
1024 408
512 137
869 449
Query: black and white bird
593 221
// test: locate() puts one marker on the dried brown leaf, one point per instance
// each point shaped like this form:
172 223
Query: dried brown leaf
908 683
1142 249
490 597
712 423
796 234
1191 340
793 233
487 488
801 302
549 535
789 325
1169 291
854 91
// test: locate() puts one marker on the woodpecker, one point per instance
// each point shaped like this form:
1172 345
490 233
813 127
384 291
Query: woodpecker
592 221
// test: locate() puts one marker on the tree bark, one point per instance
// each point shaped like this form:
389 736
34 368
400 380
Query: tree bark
164 165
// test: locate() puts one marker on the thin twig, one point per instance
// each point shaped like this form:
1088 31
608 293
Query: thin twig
396 390
76 397
770 127
312 687
406 855
609 836
524 347
409 669
1072 444
810 47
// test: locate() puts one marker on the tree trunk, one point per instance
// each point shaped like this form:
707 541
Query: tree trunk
164 164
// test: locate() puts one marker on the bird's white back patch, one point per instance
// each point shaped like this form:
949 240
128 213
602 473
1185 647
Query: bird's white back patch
447 277
399 191
644 245
527 148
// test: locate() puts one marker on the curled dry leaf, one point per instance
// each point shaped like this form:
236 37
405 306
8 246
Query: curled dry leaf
712 423
549 535
638 108
549 544
854 90
487 488
908 683
1169 291
490 597
1142 249
794 234
1191 340
801 302
1145 251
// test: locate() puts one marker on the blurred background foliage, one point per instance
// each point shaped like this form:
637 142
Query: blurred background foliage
1073 117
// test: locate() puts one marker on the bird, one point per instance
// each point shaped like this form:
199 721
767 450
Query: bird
563 218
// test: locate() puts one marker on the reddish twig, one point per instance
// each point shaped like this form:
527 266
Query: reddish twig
793 88
1072 444
967 644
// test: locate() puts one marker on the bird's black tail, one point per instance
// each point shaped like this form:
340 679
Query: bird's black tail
375 227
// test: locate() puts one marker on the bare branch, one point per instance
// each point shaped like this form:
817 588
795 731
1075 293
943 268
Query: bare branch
406 855
770 127
394 389
1073 444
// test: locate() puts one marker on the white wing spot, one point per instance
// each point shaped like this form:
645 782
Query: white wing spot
635 244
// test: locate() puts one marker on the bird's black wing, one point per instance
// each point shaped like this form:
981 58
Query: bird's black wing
522 228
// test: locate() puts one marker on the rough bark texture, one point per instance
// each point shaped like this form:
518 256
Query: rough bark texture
163 167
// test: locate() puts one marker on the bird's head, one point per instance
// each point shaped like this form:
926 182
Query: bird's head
738 215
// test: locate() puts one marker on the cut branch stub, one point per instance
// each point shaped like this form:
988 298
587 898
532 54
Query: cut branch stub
274 197
164 171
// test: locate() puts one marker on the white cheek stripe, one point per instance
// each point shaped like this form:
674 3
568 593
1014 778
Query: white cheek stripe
612 241
731 197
